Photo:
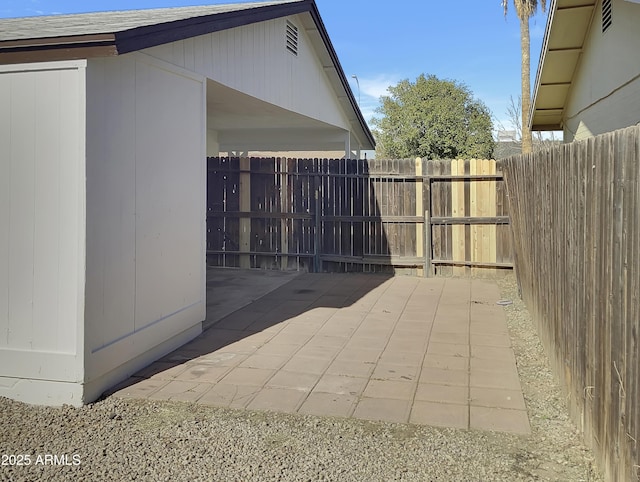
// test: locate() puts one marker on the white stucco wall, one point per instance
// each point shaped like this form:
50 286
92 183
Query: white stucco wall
146 183
42 231
253 59
605 95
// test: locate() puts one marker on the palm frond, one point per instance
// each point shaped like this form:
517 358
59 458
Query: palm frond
525 8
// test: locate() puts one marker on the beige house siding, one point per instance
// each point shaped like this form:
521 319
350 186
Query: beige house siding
605 94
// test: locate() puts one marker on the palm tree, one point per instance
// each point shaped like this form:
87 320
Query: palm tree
525 9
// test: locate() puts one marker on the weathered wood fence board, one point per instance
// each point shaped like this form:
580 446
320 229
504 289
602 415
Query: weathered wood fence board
575 217
425 217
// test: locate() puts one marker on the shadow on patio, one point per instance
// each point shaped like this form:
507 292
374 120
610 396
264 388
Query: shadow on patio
430 351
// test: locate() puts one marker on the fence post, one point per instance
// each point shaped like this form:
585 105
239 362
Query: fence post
245 206
458 210
283 163
428 242
428 268
316 230
420 231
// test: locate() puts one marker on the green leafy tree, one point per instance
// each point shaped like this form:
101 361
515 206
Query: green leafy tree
525 9
433 119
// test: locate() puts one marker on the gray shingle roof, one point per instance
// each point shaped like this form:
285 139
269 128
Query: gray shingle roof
113 22
102 34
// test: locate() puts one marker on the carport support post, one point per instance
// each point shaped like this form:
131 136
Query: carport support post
347 146
245 206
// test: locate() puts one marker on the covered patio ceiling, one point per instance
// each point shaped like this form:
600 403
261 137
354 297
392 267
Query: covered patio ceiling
245 123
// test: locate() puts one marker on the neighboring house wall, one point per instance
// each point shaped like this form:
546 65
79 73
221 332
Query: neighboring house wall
42 231
605 95
253 59
146 184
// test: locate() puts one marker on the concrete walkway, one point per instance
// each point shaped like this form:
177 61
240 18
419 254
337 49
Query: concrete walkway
399 349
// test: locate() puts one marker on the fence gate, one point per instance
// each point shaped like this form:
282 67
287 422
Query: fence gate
415 216
468 219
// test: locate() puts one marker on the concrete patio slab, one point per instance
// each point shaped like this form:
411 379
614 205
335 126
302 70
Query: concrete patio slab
398 349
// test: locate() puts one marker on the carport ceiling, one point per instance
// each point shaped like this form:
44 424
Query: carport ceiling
247 123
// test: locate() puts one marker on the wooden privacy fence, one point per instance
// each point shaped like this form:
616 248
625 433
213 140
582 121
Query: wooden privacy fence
576 219
424 217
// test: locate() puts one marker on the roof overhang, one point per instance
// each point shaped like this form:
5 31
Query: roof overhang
66 37
103 34
246 123
567 27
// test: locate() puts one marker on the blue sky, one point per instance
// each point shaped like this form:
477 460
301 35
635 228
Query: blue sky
469 41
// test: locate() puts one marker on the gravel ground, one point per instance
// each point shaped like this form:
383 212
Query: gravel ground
115 440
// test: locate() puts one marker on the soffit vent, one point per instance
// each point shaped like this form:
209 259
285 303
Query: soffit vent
291 38
606 15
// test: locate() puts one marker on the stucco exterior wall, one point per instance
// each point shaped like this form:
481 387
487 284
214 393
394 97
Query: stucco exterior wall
146 184
605 95
42 231
253 59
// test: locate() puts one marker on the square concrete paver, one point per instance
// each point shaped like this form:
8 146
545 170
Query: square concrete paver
497 398
137 387
440 414
390 389
328 404
294 380
277 399
248 376
341 385
228 395
429 351
431 392
383 409
184 391
499 419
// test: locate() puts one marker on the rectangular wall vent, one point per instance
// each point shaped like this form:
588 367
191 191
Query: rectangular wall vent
291 38
606 15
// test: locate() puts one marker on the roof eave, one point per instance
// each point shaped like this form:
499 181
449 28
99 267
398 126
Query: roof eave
315 13
134 39
543 52
130 40
571 16
57 48
153 35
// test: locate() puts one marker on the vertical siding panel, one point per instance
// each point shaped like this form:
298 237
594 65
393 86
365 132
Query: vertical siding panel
111 200
177 53
189 54
47 191
71 212
21 241
268 47
41 251
209 55
198 53
166 195
5 203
